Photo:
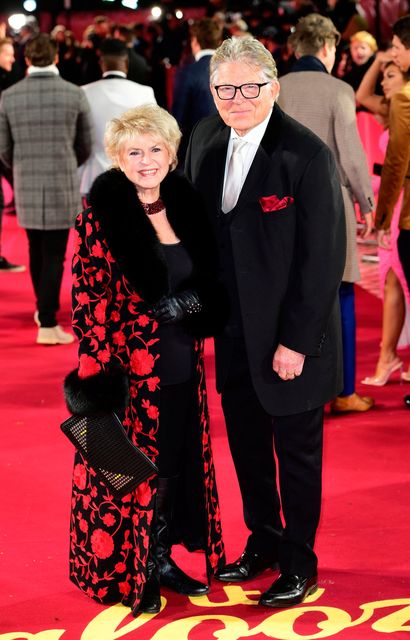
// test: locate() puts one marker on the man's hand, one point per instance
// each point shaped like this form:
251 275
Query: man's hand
384 239
368 224
287 364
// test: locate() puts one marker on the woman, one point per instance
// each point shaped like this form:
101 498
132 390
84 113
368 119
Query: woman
362 49
144 286
391 272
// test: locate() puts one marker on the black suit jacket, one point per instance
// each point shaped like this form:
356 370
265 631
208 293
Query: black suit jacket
289 258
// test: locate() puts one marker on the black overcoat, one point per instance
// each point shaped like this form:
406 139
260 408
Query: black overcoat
289 245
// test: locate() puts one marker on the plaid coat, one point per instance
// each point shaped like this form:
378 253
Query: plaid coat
326 105
45 134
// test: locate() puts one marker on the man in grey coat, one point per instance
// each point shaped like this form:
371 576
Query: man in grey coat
326 105
45 134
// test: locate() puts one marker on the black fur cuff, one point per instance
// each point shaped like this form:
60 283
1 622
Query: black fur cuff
102 393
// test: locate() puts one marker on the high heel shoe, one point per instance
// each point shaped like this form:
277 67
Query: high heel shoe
380 380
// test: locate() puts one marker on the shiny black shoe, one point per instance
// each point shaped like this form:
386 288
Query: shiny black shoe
171 576
246 567
406 401
150 602
288 590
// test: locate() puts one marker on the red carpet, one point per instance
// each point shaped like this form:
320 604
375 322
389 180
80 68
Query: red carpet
362 542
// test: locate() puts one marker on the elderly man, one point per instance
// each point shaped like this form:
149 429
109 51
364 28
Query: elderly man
45 133
272 193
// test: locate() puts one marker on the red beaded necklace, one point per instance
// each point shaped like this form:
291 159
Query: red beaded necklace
152 208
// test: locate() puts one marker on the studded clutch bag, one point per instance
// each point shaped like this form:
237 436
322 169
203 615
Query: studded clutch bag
102 440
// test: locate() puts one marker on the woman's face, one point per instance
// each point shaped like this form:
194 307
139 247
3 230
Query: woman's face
145 160
392 81
360 52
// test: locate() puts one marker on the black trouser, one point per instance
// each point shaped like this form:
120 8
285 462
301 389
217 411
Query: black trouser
253 437
47 253
403 244
177 410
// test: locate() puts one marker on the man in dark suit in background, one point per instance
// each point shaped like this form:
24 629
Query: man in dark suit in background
273 195
7 60
192 98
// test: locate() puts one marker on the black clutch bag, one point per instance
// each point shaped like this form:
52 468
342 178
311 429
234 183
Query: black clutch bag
106 447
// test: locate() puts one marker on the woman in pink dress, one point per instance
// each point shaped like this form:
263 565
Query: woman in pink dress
392 278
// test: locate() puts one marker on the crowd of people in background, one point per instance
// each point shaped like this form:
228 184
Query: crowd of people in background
166 62
155 45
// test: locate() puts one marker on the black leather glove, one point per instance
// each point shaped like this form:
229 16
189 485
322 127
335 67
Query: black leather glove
177 307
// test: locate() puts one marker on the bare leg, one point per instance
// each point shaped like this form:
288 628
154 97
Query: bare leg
393 318
394 310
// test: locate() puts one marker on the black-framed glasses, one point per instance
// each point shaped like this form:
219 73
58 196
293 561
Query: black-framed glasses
249 90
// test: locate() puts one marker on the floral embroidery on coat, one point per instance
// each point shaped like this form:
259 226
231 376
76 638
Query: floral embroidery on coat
109 536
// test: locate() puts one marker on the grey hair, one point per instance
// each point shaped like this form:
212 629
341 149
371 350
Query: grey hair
148 118
244 49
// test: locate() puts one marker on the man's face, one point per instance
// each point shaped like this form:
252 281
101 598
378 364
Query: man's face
400 54
6 57
243 114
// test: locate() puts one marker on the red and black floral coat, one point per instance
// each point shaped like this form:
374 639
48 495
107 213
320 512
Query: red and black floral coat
118 272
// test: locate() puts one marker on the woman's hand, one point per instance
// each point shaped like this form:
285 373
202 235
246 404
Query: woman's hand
384 239
177 307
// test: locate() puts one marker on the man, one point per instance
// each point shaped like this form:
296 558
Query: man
396 167
6 65
277 211
45 133
192 98
108 98
138 68
326 105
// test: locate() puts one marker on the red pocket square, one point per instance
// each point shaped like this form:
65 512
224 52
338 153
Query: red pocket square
273 203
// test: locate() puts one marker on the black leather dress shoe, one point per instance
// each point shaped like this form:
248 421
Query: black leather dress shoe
246 567
171 576
288 590
407 401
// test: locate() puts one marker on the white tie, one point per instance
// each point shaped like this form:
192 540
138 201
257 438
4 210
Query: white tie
233 184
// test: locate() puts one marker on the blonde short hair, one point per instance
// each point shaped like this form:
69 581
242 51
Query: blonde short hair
148 118
246 49
365 36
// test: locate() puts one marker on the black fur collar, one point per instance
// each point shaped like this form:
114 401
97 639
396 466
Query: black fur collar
130 235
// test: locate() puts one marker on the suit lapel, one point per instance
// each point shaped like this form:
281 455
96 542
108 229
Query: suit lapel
216 162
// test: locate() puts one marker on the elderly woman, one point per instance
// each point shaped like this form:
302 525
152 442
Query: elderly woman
144 290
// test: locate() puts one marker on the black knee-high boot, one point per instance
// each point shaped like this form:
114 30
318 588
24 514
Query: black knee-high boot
151 597
170 575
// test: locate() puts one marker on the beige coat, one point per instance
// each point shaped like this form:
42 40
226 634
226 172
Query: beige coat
326 105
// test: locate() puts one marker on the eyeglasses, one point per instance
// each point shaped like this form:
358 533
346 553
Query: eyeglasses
249 90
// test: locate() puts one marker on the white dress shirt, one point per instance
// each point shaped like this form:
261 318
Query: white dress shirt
248 153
